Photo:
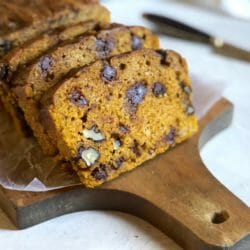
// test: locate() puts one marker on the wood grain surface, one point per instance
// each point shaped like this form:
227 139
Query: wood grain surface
175 192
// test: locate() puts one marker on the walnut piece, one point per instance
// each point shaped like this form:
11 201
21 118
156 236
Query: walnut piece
90 156
93 134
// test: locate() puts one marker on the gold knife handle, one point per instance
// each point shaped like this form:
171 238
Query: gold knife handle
227 49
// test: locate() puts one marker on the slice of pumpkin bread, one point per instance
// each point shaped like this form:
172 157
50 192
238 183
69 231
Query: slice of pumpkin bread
33 82
115 114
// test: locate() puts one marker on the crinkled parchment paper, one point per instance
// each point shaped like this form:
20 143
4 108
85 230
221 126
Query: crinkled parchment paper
24 167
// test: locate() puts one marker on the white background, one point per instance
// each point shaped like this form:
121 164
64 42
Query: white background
227 156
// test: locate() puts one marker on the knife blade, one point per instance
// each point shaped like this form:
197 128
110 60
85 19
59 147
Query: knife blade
181 30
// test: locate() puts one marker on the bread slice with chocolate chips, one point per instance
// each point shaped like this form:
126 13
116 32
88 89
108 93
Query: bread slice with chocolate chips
29 18
18 58
115 114
30 85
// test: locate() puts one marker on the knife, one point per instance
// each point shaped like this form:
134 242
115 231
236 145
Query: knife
178 29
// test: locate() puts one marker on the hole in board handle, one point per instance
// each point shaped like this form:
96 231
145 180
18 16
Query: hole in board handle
220 217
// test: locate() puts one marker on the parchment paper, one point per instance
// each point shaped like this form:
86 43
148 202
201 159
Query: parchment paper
24 167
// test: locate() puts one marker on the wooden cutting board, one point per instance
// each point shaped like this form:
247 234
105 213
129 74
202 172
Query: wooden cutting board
175 192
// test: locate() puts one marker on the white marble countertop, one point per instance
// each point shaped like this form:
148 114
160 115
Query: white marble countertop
227 156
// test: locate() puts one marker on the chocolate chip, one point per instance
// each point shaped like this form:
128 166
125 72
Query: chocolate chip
77 98
115 136
5 72
170 138
135 95
100 173
164 57
118 163
123 128
136 149
159 89
84 118
137 42
187 89
6 46
46 63
50 76
109 73
122 66
104 47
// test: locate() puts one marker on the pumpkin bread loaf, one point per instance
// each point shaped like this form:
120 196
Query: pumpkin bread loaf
35 80
23 20
43 15
18 57
33 17
115 114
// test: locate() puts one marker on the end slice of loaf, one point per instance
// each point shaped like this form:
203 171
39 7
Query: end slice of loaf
36 17
113 115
